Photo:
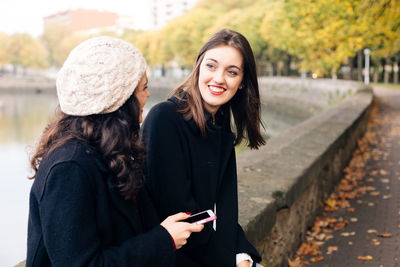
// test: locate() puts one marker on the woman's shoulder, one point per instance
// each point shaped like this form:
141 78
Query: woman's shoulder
167 110
68 163
73 151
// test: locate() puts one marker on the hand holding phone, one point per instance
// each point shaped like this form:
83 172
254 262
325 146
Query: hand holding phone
201 217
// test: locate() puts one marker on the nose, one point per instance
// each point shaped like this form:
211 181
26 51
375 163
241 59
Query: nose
219 77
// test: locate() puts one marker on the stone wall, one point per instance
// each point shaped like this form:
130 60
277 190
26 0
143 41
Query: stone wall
282 184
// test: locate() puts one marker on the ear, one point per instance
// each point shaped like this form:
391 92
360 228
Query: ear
241 87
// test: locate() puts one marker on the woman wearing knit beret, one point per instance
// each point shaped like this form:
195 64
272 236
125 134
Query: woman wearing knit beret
88 203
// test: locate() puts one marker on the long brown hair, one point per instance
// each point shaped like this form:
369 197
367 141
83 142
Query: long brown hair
245 106
115 136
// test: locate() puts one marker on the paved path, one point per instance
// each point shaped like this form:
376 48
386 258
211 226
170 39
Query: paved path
372 234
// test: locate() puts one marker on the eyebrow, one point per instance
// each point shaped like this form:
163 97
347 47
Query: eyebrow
216 61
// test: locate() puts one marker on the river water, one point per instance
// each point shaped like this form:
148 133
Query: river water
22 119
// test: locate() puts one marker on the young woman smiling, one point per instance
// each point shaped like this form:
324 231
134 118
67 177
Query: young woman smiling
190 148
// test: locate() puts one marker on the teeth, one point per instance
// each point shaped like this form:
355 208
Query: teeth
216 89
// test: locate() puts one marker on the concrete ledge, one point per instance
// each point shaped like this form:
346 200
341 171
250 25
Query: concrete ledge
281 185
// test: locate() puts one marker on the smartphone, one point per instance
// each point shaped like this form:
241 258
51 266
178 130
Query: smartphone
201 217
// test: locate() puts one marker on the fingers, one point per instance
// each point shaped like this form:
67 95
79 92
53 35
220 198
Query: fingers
179 216
196 227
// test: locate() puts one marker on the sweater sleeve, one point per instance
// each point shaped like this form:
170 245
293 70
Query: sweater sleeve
244 246
70 234
169 181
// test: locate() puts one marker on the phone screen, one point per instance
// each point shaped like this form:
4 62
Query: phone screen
197 217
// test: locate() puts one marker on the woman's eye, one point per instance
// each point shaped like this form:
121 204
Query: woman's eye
234 73
210 66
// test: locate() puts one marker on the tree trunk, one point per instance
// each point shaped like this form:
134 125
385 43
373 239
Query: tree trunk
334 74
376 74
351 66
274 68
162 70
359 65
396 72
287 65
270 69
387 68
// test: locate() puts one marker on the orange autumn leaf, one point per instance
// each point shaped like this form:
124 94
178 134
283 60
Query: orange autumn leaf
331 203
295 263
383 172
331 249
309 248
385 235
375 242
351 209
317 259
365 258
341 225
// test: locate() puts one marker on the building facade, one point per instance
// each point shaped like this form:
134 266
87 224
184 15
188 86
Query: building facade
164 10
89 21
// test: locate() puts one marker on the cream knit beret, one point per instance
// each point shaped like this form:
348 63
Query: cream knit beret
99 75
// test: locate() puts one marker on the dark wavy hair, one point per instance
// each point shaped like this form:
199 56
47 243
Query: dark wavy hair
245 106
115 136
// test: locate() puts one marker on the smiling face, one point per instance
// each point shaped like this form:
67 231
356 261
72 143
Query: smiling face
142 93
220 75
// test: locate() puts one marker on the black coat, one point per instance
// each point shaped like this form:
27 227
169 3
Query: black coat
188 173
77 218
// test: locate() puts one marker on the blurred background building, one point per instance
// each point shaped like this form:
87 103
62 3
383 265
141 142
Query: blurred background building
87 21
164 10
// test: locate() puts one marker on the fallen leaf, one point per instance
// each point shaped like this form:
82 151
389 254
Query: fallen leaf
371 231
383 172
387 196
370 180
351 209
346 234
332 249
371 204
353 219
384 235
328 237
385 181
309 248
317 259
376 242
331 203
296 262
375 193
365 258
350 243
340 225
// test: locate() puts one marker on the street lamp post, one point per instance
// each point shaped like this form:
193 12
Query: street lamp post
366 74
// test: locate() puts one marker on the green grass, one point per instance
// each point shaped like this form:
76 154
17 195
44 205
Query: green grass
386 85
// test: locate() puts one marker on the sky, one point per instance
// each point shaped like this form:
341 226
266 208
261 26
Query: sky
27 15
